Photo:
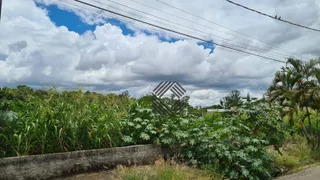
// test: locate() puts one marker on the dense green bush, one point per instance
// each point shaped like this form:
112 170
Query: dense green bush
139 127
231 144
238 143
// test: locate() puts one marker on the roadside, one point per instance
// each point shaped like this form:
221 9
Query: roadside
296 156
161 170
297 162
312 173
309 173
103 175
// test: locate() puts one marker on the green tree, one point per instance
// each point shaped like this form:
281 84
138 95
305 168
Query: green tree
294 88
281 91
232 100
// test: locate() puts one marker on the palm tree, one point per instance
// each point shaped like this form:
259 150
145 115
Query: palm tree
282 92
295 87
315 96
306 84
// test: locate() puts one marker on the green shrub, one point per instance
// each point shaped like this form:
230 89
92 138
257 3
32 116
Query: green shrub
140 126
240 154
231 142
287 162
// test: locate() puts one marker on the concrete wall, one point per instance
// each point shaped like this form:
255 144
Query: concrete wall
48 166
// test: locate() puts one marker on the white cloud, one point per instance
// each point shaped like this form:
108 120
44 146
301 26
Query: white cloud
34 51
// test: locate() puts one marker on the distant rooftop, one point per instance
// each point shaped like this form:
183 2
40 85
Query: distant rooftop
218 110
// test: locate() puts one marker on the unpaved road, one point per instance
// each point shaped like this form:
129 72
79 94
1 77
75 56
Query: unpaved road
312 173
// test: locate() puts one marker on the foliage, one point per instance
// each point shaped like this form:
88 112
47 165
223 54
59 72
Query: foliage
232 100
296 89
46 121
145 101
236 143
140 126
295 153
239 153
161 170
49 121
265 123
143 126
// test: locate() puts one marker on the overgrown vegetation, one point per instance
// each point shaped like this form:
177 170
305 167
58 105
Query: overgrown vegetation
246 143
296 154
296 89
36 122
49 121
234 145
162 170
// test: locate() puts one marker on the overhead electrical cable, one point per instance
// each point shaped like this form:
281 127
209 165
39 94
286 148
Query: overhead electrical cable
117 10
244 46
212 22
273 17
97 13
185 19
179 33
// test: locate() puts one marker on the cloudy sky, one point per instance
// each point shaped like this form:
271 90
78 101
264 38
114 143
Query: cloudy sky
70 45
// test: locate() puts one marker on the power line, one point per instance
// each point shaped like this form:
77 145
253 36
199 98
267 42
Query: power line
279 19
117 10
149 14
169 5
181 25
91 11
177 32
206 33
261 49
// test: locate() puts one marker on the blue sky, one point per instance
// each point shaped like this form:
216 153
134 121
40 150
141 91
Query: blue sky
66 18
74 23
34 52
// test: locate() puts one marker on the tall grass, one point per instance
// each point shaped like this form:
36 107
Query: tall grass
49 121
162 170
295 154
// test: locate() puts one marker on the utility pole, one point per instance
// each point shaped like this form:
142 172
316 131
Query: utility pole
0 8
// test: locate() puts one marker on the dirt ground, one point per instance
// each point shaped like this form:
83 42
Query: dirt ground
104 175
